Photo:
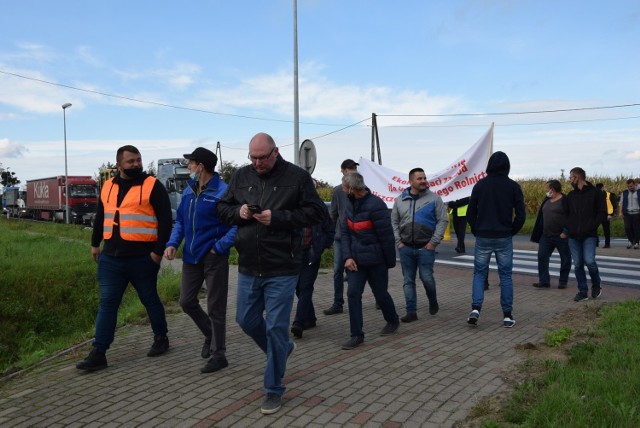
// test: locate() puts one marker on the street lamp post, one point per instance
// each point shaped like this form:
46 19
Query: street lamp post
66 176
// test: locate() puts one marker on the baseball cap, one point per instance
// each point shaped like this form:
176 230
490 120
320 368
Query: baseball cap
349 164
203 156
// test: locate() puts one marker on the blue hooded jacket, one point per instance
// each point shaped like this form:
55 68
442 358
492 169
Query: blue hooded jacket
198 224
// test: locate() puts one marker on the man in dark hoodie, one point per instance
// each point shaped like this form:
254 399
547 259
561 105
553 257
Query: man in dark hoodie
492 205
586 209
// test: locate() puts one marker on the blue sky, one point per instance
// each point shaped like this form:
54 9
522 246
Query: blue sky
223 71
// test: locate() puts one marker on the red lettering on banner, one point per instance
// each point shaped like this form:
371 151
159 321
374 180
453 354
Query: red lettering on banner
385 198
470 181
400 180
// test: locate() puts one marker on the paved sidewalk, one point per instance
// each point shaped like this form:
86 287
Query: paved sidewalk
429 374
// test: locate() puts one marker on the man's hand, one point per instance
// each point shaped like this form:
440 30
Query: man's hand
170 253
156 258
350 265
400 245
431 247
264 217
95 253
245 214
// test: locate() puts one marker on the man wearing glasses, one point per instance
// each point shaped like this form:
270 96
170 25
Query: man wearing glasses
271 201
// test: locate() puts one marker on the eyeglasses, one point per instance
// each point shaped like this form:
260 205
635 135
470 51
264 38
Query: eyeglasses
260 158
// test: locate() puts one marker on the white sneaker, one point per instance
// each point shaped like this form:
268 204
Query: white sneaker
473 317
629 245
508 322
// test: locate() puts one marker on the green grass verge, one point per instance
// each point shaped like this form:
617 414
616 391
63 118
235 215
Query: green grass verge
597 387
50 296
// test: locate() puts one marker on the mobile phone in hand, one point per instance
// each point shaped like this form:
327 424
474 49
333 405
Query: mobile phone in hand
255 209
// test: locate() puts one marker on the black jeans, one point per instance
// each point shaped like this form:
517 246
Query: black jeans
214 271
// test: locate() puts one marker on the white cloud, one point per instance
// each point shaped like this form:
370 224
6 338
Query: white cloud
11 150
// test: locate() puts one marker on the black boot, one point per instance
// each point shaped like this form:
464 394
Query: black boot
96 360
159 347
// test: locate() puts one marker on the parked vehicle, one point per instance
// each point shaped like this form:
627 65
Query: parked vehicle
13 202
103 175
46 199
173 174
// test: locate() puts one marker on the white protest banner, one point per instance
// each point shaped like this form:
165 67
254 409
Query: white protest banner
453 182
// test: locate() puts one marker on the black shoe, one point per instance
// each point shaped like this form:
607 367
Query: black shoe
580 297
473 317
377 306
562 285
596 292
206 349
410 317
433 309
334 309
214 364
296 330
541 285
312 324
159 347
389 329
96 360
271 404
459 250
486 285
353 342
606 246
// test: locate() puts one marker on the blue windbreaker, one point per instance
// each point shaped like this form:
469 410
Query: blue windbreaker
198 224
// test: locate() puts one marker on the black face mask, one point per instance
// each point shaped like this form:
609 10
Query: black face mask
133 172
351 197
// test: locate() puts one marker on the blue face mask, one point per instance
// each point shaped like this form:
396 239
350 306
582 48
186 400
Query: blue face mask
194 176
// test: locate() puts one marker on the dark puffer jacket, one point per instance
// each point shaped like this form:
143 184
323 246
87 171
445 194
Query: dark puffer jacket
367 235
288 191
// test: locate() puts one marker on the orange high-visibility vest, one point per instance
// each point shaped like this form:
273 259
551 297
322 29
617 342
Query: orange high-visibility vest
137 218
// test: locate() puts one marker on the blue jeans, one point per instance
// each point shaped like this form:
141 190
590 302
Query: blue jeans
583 252
378 277
545 248
114 274
272 296
421 260
503 247
338 274
305 313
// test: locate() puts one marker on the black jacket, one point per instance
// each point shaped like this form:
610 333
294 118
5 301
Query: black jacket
286 190
118 247
322 236
494 201
586 209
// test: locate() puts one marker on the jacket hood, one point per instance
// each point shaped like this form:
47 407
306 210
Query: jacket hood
498 164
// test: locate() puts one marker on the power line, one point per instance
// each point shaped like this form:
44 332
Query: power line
512 112
343 127
122 97
513 124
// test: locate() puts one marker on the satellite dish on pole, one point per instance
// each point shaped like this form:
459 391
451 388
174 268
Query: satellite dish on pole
308 156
